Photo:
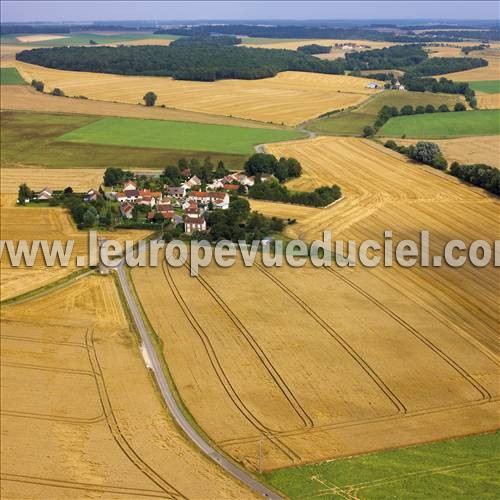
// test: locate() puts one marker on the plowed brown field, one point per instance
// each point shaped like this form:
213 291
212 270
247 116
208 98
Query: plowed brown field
289 98
80 417
325 363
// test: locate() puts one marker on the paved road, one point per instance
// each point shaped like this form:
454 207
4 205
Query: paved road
172 403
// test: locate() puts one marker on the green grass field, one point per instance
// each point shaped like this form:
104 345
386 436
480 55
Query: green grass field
464 468
488 86
352 122
442 125
176 135
10 76
33 139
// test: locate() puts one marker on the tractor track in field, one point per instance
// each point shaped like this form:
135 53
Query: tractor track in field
397 403
168 490
98 488
220 373
485 394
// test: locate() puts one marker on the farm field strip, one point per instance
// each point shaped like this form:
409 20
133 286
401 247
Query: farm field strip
28 99
176 135
288 98
122 452
482 149
443 125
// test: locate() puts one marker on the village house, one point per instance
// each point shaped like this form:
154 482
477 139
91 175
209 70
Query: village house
129 185
92 195
191 183
166 209
204 198
177 192
192 224
126 210
45 194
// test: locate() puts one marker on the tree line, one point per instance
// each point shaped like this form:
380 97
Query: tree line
327 32
387 112
429 153
272 190
202 63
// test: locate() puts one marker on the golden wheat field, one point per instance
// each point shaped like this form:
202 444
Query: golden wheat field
44 223
289 98
24 98
81 179
490 72
75 424
488 101
294 44
350 360
482 149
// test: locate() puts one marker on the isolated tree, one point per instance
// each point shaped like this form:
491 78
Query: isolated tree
68 190
25 193
57 92
150 98
368 131
430 108
443 108
419 110
220 170
37 85
459 106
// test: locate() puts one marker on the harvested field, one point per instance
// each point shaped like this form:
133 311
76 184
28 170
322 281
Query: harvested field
38 38
488 101
25 98
490 72
289 98
317 341
294 44
75 389
81 180
43 223
464 150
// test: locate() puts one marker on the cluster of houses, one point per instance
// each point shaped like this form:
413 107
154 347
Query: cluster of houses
397 85
182 204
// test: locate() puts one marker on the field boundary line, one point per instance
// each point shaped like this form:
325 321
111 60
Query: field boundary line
220 373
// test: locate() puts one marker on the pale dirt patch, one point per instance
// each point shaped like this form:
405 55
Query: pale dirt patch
38 38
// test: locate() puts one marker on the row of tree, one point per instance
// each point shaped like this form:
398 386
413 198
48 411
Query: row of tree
387 112
423 152
440 65
328 32
478 174
192 62
283 169
274 191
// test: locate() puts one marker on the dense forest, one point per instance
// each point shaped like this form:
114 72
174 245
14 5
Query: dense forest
203 41
439 65
318 32
203 63
410 58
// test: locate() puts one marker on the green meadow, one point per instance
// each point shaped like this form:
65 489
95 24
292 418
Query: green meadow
442 125
10 76
488 86
176 135
463 468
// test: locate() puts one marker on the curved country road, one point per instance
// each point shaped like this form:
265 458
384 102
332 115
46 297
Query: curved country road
171 403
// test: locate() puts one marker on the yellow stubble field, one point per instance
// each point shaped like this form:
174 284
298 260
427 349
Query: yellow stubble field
80 417
315 363
289 98
481 149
